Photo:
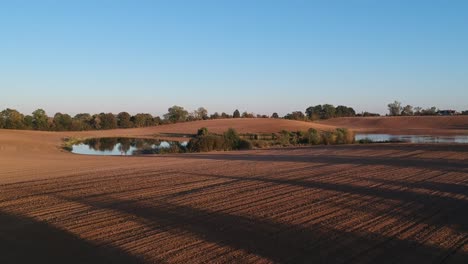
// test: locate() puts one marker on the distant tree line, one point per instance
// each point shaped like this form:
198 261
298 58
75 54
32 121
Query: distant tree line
397 109
325 111
39 120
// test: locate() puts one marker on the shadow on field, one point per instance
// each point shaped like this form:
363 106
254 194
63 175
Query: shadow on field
435 164
277 242
460 127
405 147
25 240
453 209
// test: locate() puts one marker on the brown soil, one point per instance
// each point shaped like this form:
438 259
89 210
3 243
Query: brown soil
429 125
244 125
384 203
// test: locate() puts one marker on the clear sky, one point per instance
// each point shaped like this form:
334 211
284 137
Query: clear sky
259 56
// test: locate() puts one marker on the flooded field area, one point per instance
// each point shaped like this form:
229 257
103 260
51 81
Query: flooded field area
412 138
126 146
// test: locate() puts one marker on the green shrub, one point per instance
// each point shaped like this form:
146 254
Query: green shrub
344 136
329 138
298 137
284 138
365 141
245 144
206 143
313 137
340 136
231 139
260 143
202 131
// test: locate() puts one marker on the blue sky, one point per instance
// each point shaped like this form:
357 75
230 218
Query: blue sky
257 56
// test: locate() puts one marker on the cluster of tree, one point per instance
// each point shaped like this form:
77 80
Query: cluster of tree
39 120
231 140
205 141
325 111
315 137
367 114
396 109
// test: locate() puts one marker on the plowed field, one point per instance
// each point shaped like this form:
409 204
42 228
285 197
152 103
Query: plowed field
384 203
426 125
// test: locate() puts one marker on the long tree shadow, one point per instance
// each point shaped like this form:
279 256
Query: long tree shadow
428 185
25 240
405 147
454 207
436 164
277 242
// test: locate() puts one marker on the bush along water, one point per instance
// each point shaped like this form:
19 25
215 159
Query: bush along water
231 140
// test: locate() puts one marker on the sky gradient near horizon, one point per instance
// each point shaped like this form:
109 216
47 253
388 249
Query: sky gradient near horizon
256 56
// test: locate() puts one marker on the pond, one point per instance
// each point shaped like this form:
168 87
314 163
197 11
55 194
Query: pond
462 139
126 146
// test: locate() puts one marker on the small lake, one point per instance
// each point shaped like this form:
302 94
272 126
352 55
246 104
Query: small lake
413 138
127 146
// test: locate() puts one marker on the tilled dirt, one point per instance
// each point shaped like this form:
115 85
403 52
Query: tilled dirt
417 125
383 203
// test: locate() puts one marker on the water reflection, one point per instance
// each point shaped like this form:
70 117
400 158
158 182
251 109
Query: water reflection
412 138
127 146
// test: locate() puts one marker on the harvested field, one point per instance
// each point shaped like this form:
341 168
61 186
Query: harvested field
410 125
242 125
385 203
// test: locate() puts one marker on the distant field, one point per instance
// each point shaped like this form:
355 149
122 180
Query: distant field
431 125
384 203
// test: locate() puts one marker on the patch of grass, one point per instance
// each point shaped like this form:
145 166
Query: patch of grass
174 135
366 141
69 142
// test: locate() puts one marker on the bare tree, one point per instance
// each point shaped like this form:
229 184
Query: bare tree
394 108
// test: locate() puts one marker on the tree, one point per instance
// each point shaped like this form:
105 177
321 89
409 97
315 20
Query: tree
407 111
28 122
314 112
62 122
12 119
417 110
394 108
236 114
138 120
123 120
157 120
144 120
200 114
2 120
82 121
216 115
40 120
344 111
224 115
275 115
108 121
247 115
149 120
430 111
296 115
176 114
328 111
